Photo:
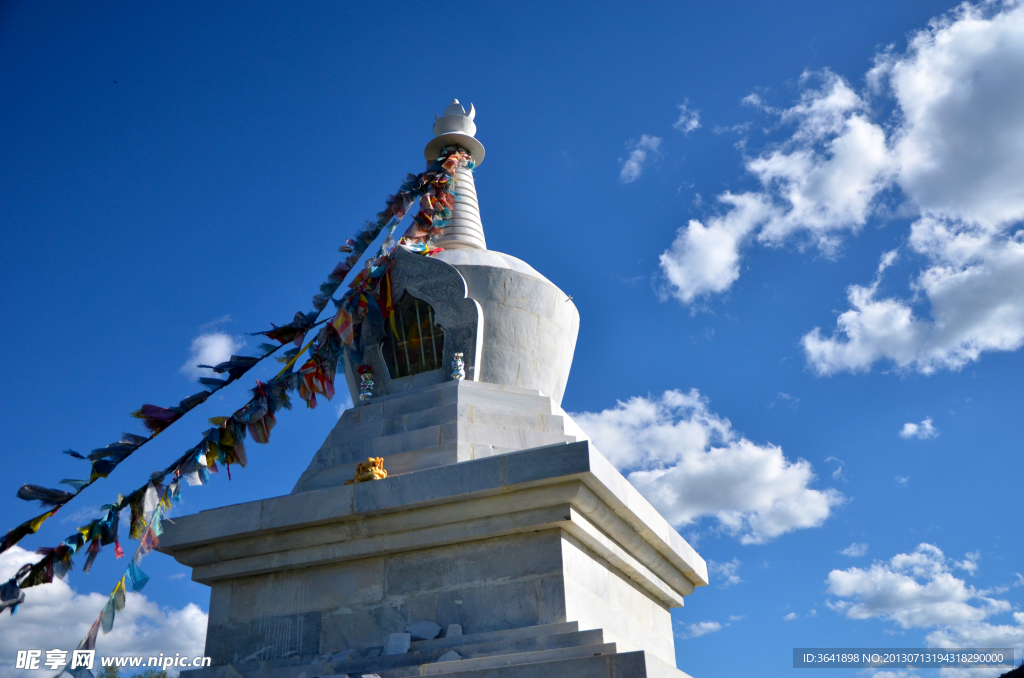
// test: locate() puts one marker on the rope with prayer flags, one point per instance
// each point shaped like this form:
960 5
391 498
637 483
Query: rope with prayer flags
105 459
429 186
224 443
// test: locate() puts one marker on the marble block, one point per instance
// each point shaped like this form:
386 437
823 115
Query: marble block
398 643
424 630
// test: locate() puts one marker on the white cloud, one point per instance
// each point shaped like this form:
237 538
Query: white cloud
705 260
142 628
973 285
969 563
826 177
900 673
953 147
918 590
726 571
855 550
689 119
981 635
960 89
638 155
702 628
790 617
820 181
959 149
840 471
923 431
223 320
902 480
210 349
690 464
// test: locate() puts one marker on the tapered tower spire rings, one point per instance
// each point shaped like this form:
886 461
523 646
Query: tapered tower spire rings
456 128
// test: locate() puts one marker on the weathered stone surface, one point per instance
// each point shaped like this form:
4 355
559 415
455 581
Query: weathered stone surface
453 631
272 636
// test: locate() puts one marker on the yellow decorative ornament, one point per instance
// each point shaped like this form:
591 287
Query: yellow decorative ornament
371 469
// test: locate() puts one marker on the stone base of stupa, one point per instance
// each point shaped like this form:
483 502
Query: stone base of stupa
547 651
548 559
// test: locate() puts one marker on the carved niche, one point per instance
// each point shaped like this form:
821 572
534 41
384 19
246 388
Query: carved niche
443 288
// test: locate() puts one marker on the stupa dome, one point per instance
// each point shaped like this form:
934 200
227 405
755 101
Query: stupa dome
511 324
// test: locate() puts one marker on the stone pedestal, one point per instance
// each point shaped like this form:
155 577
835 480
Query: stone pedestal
542 555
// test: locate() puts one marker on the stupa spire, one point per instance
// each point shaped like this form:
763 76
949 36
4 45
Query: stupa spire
456 127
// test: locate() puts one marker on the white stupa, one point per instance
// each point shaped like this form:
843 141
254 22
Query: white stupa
501 544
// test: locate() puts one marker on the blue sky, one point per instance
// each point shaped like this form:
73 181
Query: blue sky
791 230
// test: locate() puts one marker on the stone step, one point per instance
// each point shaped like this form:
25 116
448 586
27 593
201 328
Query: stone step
507 400
437 439
290 668
454 668
518 646
510 438
618 665
489 414
523 411
493 636
437 394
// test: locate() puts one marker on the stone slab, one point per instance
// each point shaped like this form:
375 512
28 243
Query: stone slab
450 485
398 643
424 630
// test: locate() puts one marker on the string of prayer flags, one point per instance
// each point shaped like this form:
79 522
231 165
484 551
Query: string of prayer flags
414 186
104 460
156 418
372 284
28 527
235 366
432 188
146 503
224 442
46 497
293 332
88 643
